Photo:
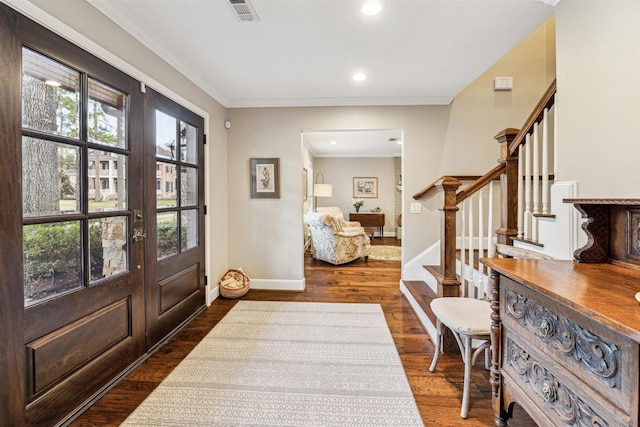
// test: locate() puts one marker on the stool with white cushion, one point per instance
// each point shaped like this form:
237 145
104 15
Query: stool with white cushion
468 319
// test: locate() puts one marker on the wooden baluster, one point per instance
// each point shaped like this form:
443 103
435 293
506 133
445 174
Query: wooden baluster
554 156
490 225
469 282
535 183
480 289
463 246
545 162
521 197
527 187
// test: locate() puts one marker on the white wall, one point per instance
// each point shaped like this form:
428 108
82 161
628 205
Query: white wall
598 100
340 171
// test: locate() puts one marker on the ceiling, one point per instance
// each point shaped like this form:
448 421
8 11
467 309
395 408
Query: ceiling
304 52
355 143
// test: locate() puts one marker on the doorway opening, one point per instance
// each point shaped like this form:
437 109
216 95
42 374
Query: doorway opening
364 170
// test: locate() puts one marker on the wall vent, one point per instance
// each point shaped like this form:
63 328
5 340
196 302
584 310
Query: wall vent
243 10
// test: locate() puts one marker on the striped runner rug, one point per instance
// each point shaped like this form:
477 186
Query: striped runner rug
287 364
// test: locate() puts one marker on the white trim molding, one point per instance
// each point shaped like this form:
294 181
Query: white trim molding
277 284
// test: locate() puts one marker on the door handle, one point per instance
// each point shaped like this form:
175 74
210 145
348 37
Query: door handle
138 235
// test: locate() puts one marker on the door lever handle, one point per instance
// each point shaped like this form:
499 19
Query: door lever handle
138 235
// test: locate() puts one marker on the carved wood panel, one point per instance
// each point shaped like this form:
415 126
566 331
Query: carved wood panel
596 354
552 393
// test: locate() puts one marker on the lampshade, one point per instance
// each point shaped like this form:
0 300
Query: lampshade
322 190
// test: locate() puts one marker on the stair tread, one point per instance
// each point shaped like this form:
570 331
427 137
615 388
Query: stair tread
435 271
423 294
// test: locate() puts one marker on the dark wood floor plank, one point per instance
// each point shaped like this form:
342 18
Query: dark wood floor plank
437 394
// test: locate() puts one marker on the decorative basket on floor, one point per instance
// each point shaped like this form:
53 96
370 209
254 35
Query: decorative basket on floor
234 283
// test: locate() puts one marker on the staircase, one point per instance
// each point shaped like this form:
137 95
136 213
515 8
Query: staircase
503 206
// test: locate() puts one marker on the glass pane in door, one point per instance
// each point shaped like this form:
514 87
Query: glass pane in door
188 186
108 245
107 178
50 95
189 228
166 189
52 260
50 178
106 115
165 135
167 228
188 140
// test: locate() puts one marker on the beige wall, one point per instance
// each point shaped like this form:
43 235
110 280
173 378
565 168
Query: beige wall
598 101
265 234
478 113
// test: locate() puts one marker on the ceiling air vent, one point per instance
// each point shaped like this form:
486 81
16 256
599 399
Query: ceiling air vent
244 10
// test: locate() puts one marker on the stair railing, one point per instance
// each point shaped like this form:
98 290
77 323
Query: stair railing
535 148
476 227
526 157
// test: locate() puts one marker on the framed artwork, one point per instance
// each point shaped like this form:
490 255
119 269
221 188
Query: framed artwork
365 187
305 184
264 175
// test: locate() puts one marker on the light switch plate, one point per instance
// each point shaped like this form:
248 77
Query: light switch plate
503 83
416 208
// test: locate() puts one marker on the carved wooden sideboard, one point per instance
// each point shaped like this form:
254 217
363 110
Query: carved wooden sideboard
566 334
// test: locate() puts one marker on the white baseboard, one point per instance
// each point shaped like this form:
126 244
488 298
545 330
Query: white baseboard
212 293
414 268
277 285
426 323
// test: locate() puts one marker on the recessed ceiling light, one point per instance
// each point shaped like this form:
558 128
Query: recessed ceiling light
360 77
372 7
333 143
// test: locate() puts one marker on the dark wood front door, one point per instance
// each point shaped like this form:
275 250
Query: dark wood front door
175 215
81 161
101 222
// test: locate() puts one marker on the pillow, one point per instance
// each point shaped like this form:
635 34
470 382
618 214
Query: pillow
333 222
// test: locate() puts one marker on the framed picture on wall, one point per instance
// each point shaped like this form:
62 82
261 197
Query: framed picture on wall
365 187
264 176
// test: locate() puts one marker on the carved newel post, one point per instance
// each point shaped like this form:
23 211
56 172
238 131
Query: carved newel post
448 283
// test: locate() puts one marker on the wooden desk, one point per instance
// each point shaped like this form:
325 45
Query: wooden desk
369 219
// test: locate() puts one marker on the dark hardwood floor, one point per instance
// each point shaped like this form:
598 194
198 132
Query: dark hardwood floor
437 394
